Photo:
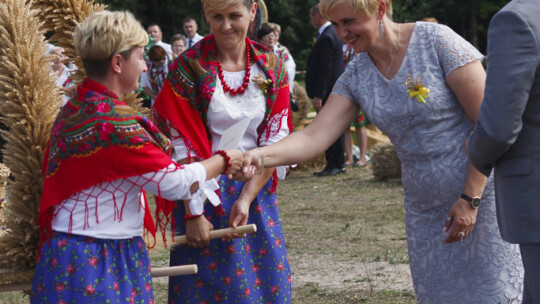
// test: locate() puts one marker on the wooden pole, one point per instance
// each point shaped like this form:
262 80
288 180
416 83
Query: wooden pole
174 271
215 234
165 271
15 287
156 273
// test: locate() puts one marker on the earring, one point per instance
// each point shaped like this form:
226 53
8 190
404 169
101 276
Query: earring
381 29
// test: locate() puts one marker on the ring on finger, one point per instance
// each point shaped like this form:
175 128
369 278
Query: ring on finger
448 219
461 235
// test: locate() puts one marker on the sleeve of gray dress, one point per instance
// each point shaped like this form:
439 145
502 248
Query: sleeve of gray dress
452 49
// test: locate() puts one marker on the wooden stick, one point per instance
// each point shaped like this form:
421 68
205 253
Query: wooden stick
15 287
156 273
215 234
174 271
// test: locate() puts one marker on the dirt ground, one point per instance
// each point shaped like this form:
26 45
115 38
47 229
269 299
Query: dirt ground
345 232
337 273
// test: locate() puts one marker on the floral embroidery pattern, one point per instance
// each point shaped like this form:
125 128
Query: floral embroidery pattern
416 89
254 269
193 75
113 122
77 269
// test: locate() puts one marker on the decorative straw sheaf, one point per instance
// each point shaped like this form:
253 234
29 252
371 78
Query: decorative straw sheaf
4 174
61 17
29 100
303 102
385 163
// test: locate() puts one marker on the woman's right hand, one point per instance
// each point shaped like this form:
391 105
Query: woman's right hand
251 165
198 232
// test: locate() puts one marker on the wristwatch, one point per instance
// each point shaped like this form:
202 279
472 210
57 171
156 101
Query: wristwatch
474 201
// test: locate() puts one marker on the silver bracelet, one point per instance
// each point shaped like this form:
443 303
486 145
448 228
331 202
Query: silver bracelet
262 161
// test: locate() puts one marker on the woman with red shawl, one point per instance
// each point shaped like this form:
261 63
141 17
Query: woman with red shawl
224 79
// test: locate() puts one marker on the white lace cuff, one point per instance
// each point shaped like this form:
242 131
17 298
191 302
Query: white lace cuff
206 191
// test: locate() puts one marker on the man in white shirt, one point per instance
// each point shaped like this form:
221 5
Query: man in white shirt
155 31
190 28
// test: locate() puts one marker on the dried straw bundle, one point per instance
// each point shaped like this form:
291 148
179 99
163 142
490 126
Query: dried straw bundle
29 100
303 102
61 17
298 120
4 174
384 162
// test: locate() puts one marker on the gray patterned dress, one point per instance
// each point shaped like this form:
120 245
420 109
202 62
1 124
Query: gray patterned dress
429 139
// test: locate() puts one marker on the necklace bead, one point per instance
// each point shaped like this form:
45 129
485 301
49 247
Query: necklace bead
241 89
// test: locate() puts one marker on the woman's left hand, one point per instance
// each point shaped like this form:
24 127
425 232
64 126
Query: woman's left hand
238 216
461 220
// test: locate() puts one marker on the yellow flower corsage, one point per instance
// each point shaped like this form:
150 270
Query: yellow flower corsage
264 83
416 89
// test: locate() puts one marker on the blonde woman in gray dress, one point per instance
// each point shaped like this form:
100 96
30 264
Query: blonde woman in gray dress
422 85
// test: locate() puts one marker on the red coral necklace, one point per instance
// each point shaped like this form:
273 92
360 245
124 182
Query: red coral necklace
241 89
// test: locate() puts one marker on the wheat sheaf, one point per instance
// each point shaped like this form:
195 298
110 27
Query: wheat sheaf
28 101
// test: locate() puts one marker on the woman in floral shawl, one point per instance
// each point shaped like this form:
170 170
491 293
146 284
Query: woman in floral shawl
224 79
101 155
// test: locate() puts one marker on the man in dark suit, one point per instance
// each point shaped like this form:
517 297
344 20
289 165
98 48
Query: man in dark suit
507 133
324 66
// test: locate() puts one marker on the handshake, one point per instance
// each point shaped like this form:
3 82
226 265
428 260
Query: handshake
242 166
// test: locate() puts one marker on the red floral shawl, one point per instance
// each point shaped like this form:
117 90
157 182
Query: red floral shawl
188 89
98 138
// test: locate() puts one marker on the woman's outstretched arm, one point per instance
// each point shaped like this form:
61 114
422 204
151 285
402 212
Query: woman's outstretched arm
302 146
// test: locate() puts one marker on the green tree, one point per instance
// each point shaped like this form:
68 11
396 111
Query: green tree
297 33
469 18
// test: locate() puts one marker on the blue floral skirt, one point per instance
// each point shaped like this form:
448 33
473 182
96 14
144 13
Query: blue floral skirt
254 269
81 269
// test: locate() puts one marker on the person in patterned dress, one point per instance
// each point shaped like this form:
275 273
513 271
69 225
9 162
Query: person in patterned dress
152 80
62 73
224 79
101 157
283 52
422 85
268 36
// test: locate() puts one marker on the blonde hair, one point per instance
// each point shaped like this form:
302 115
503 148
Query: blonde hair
104 34
369 7
276 27
216 5
429 19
